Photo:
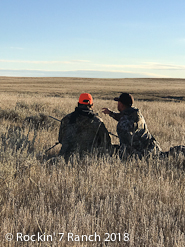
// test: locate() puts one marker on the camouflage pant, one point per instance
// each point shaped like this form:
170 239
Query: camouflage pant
123 154
174 151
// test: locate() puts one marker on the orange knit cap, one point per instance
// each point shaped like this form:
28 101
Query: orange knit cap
85 99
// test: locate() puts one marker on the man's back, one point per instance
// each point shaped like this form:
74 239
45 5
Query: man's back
133 133
82 131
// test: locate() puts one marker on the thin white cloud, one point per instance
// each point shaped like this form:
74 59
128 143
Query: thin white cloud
181 40
161 66
86 71
16 48
80 61
34 62
44 62
148 66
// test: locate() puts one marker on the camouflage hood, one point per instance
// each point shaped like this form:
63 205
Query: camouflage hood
130 111
84 111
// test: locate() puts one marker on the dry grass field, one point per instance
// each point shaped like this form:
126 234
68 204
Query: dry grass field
106 198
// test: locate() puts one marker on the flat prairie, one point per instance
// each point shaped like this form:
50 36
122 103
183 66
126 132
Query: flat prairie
142 89
127 203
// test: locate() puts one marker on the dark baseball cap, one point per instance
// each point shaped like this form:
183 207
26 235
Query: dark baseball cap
126 99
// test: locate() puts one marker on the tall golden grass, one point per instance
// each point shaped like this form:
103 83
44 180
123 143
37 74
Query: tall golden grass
40 194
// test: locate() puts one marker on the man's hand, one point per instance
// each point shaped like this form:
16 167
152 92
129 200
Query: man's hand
106 110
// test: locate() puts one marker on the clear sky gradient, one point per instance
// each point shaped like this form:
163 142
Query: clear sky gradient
97 38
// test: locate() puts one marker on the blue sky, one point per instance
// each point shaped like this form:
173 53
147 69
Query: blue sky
97 38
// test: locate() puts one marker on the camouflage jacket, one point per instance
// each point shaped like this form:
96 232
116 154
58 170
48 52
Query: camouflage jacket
83 131
133 133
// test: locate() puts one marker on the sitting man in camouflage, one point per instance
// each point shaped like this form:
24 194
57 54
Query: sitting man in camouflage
82 131
134 137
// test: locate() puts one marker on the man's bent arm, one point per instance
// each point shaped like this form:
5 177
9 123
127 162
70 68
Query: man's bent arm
115 115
